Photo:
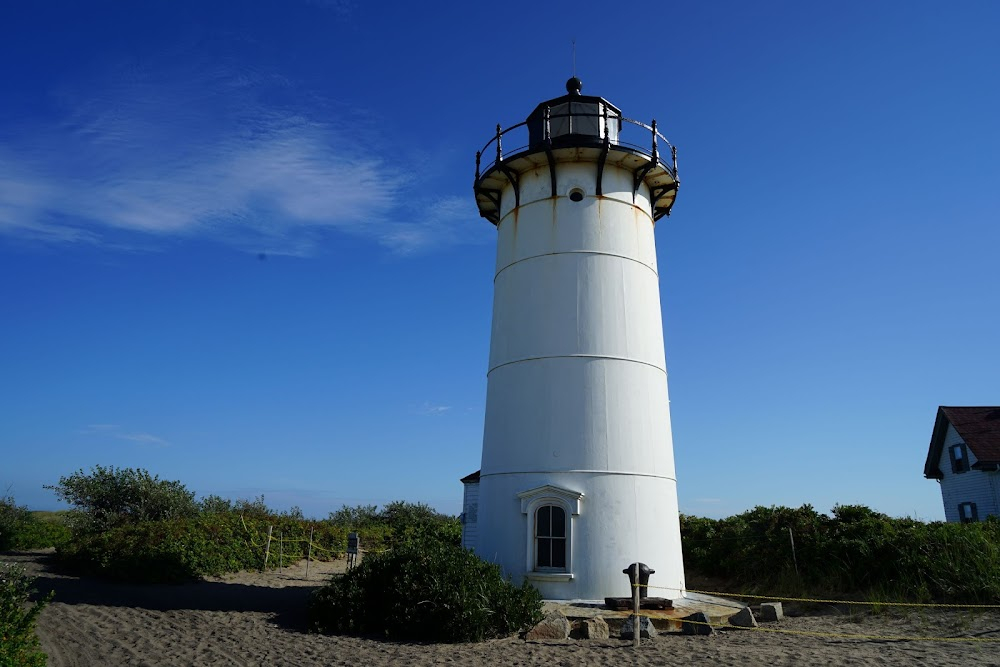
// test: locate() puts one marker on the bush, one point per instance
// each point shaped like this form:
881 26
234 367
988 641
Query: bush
856 552
177 550
18 642
432 591
396 523
22 529
13 519
110 497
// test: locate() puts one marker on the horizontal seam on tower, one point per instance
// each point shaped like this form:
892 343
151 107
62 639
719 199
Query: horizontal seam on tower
582 472
577 252
576 356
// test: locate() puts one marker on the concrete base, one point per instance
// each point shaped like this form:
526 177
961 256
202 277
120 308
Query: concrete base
718 610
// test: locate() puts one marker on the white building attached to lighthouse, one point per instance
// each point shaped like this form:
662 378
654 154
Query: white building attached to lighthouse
577 478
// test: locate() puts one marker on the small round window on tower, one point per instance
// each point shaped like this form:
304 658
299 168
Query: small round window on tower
576 194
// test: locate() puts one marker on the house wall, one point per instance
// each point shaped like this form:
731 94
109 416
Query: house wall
470 516
974 486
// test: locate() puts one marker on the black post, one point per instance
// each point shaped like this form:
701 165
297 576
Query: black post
655 153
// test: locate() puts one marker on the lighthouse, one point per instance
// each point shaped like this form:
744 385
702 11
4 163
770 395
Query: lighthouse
577 478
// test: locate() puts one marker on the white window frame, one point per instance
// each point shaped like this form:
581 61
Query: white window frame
570 502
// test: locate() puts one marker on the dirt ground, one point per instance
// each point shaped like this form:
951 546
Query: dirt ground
259 619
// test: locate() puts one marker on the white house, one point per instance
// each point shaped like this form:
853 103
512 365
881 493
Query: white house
470 511
964 457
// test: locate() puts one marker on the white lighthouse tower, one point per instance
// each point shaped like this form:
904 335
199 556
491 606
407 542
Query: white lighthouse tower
577 479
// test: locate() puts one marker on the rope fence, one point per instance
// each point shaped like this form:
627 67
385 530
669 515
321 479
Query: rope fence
282 541
842 635
873 603
747 596
831 635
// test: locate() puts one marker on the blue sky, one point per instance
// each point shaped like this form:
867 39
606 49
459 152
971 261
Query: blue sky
239 247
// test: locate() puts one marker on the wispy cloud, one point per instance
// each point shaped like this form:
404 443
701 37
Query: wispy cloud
446 221
119 433
197 153
430 409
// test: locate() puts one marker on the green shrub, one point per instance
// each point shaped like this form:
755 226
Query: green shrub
396 523
13 519
182 549
430 591
215 505
18 642
855 552
21 528
111 497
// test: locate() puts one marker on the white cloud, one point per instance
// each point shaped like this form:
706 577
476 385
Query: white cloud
445 221
429 409
184 154
117 432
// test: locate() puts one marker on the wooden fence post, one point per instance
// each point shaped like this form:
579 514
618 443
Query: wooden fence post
795 558
310 553
267 549
636 631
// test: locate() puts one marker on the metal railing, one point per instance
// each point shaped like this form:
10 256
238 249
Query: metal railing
656 140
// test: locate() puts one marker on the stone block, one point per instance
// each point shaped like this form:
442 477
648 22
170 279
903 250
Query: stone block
595 628
743 619
771 611
646 629
696 624
553 626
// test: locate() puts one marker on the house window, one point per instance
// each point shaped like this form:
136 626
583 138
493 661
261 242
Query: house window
967 513
550 537
959 458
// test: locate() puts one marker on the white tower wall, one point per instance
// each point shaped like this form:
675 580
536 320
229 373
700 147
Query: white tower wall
577 388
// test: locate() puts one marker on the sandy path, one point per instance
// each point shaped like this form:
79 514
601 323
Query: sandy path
254 619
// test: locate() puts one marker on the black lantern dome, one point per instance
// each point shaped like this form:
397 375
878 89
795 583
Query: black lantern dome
576 128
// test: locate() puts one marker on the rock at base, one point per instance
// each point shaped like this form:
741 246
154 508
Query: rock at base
696 624
553 626
595 628
743 619
771 611
646 629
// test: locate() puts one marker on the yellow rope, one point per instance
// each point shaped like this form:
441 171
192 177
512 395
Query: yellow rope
845 635
939 605
252 543
314 545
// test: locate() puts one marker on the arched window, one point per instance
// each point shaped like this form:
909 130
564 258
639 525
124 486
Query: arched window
550 537
551 513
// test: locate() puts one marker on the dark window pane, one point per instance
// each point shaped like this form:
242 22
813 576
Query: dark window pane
543 525
558 553
558 522
544 552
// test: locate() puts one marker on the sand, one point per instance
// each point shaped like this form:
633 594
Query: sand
258 619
